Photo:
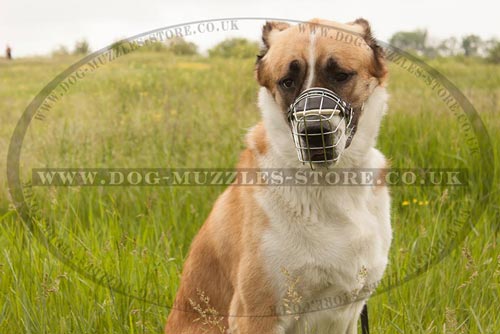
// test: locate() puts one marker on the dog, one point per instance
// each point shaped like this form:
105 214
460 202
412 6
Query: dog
276 259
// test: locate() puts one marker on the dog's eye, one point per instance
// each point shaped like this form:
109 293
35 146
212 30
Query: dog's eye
287 83
341 76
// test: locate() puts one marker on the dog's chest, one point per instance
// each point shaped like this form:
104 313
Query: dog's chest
329 242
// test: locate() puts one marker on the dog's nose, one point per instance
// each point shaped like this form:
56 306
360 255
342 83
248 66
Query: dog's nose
316 131
316 137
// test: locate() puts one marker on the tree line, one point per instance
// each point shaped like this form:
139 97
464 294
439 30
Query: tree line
417 42
229 48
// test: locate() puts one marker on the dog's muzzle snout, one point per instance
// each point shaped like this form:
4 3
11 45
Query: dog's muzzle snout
321 124
315 132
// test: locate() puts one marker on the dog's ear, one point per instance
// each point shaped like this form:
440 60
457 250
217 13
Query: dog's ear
379 69
268 31
272 27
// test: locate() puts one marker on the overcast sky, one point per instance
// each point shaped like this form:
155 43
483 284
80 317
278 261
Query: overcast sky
37 27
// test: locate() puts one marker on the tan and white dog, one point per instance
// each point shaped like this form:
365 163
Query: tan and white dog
266 248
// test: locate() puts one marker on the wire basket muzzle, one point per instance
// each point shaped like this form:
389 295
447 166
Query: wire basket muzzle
320 121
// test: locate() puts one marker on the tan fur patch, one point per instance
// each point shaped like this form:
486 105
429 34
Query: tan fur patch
225 264
382 175
257 139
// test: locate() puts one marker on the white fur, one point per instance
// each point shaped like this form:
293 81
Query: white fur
325 236
312 60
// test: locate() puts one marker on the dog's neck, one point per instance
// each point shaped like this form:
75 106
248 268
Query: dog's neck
281 151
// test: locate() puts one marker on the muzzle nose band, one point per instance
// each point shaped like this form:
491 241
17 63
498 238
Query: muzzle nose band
315 136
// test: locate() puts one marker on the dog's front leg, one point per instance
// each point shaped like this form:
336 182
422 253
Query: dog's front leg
253 306
246 320
353 324
353 327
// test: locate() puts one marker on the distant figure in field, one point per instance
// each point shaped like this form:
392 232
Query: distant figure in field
8 52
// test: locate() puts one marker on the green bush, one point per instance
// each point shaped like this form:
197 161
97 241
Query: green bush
82 47
179 46
494 54
235 48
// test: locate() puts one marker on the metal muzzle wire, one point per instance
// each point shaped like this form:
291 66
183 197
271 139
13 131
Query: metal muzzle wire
319 120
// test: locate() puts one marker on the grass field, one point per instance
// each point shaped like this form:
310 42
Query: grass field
156 110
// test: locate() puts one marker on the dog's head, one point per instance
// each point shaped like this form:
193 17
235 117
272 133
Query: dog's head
342 58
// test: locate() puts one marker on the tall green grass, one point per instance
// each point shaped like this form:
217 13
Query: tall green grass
150 110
